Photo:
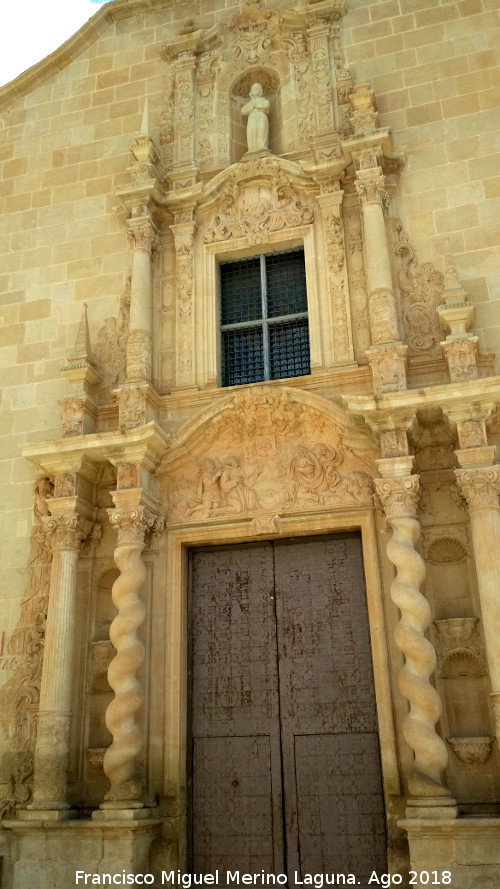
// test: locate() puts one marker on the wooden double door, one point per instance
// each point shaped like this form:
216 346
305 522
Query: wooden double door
285 760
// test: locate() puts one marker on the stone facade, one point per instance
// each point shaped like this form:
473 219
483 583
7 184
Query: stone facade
125 181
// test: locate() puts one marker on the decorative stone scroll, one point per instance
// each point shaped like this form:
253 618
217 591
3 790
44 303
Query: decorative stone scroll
421 289
19 696
73 415
111 349
131 524
238 215
399 497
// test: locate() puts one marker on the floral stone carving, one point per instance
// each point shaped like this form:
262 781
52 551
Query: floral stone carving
19 697
238 215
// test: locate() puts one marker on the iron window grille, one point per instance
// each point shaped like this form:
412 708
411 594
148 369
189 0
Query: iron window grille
264 324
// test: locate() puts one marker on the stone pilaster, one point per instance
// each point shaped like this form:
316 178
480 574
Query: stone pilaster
319 39
142 236
479 482
184 128
52 749
132 519
399 493
338 288
184 231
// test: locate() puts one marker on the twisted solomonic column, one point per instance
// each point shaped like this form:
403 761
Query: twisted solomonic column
399 497
131 523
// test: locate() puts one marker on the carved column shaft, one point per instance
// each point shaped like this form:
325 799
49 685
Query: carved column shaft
184 109
184 323
382 305
321 77
481 488
54 715
142 236
399 497
131 523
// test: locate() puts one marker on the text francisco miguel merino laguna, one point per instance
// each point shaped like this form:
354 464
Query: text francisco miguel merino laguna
176 878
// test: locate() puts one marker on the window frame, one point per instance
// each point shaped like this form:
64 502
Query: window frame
266 321
208 339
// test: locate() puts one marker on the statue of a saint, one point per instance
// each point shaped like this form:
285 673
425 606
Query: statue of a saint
257 110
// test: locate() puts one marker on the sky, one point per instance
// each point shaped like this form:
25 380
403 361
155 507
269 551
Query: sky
31 29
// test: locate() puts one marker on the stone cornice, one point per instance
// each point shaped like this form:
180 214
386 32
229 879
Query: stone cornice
145 445
396 407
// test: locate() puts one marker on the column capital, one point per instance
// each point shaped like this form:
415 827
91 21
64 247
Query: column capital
132 523
399 496
66 530
142 233
480 486
370 187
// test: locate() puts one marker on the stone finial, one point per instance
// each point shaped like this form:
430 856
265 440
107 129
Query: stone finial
456 313
80 367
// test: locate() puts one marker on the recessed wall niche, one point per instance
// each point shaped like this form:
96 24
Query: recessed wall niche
239 96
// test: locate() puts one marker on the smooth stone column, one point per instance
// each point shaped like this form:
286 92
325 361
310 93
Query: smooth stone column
54 715
370 186
142 236
399 493
479 482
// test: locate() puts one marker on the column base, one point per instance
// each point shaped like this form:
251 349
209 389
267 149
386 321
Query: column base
121 810
46 812
432 807
468 848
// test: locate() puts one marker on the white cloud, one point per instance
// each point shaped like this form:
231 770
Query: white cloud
32 29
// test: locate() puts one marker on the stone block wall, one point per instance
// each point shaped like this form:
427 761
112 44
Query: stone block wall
434 67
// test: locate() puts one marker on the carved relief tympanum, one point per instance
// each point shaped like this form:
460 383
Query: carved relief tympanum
267 454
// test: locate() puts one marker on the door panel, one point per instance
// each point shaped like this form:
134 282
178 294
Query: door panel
233 793
286 773
235 715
